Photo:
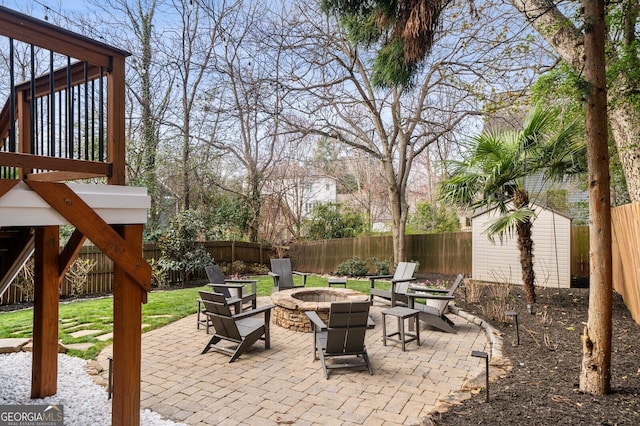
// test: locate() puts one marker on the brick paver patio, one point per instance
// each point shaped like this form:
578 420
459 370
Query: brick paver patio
283 385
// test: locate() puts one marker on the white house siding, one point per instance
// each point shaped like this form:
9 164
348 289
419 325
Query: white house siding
500 261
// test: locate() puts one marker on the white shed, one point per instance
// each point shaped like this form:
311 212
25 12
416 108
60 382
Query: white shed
499 261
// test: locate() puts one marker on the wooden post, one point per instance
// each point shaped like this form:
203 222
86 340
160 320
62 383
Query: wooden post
116 122
128 297
44 371
24 124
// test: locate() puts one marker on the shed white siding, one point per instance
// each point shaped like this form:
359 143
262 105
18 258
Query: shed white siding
500 261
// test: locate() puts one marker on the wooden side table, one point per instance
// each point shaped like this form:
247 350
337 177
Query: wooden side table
401 313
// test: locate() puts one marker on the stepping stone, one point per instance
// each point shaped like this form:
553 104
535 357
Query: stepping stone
160 316
93 368
80 346
29 348
83 333
13 345
73 326
67 320
105 337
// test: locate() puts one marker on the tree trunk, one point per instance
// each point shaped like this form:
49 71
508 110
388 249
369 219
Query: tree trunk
624 117
525 245
568 42
596 360
149 127
399 221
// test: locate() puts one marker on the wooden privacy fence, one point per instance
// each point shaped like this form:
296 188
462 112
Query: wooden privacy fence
437 253
99 279
442 253
625 226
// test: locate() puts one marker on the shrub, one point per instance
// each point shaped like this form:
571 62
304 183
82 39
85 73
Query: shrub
159 276
355 267
24 280
179 247
332 220
381 267
78 275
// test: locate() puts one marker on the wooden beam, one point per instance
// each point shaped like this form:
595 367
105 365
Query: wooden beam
31 161
127 340
70 252
7 185
30 30
86 220
44 372
62 176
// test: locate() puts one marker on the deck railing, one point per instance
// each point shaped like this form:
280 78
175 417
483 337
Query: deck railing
64 103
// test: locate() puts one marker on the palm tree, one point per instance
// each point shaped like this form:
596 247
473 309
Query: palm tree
493 172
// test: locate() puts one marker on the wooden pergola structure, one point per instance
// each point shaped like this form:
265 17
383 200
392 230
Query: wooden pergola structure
64 120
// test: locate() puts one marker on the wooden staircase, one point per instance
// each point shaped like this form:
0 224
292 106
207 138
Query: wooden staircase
64 120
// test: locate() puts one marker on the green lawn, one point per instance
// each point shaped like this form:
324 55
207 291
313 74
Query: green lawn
163 307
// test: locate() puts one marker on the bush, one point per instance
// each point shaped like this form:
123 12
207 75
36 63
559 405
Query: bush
78 275
355 267
381 266
332 220
24 280
180 250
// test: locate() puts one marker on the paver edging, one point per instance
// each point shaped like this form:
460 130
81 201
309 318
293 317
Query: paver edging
498 362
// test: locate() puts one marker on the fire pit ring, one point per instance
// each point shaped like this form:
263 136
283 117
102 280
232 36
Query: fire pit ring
292 304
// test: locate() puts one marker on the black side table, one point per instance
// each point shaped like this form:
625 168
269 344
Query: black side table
401 313
337 281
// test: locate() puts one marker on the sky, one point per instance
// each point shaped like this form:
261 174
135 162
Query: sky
41 8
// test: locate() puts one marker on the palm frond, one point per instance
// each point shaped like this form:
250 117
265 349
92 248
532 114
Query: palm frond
505 225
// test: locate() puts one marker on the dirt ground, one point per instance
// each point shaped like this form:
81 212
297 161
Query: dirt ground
542 387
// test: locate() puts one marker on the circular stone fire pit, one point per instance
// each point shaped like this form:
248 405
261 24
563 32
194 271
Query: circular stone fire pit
292 304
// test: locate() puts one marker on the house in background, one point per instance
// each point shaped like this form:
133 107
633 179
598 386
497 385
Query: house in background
569 197
317 190
499 261
290 197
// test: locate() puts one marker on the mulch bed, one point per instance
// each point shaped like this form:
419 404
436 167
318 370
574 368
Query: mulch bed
542 387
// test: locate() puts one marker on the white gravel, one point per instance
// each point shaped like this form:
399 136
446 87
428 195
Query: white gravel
84 402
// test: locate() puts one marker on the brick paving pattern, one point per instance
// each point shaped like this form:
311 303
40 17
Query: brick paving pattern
284 385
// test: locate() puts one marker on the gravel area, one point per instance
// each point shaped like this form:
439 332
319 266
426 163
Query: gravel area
84 402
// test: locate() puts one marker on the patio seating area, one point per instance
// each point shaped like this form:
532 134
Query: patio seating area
284 385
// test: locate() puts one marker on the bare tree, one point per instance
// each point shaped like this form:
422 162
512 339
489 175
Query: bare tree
133 25
248 101
334 91
192 49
